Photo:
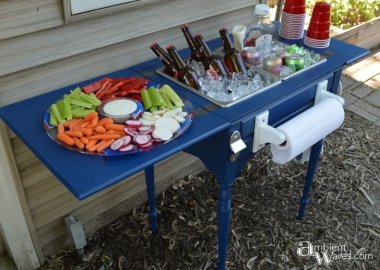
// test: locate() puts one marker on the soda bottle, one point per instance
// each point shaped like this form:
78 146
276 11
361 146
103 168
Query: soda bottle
208 59
165 58
232 57
185 74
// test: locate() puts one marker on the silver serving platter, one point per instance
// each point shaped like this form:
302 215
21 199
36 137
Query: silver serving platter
263 74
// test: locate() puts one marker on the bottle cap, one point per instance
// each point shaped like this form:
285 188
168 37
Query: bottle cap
154 44
185 25
261 9
171 45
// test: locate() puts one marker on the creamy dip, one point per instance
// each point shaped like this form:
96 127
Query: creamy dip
120 107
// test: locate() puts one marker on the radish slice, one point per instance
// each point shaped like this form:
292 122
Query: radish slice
133 123
167 122
131 132
148 144
142 139
127 148
127 140
146 129
118 144
162 133
157 140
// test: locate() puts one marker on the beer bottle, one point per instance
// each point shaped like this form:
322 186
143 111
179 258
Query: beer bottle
185 74
232 57
195 52
165 58
208 59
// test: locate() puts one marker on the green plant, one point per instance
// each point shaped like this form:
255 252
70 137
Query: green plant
347 13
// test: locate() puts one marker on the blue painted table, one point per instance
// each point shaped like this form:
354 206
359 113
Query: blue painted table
207 138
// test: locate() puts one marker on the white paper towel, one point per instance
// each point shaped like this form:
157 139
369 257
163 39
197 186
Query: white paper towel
307 128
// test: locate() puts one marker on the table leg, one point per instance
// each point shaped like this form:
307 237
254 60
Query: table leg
149 180
313 163
224 215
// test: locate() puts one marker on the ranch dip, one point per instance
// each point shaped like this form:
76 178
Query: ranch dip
120 107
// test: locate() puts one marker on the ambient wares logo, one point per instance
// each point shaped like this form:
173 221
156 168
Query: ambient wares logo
325 254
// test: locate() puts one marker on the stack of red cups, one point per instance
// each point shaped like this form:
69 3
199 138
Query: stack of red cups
318 33
293 19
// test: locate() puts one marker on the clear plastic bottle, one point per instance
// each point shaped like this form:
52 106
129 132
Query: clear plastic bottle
260 25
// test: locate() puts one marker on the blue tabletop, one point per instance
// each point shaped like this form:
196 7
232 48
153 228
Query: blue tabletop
85 175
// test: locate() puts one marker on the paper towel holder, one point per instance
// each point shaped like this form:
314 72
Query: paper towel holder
264 133
322 93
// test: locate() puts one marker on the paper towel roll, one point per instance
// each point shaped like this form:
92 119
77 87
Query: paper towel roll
307 128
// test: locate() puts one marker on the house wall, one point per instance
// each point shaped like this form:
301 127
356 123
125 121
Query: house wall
39 53
2 246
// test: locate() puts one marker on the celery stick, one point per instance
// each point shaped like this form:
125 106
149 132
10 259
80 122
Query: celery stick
146 99
153 109
168 103
76 91
84 104
80 112
172 95
66 102
62 109
91 99
52 121
155 97
55 111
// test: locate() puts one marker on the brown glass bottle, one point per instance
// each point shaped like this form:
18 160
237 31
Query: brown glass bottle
208 59
195 52
232 57
185 74
165 58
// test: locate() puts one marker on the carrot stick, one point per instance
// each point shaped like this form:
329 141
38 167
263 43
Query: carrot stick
99 144
104 146
84 140
78 143
84 124
65 139
87 131
68 123
116 127
100 129
91 144
94 122
105 121
61 128
90 116
104 136
76 125
74 133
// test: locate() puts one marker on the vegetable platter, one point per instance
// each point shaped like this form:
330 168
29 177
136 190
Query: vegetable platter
113 117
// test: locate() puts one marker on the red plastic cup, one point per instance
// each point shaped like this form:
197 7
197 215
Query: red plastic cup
321 7
294 6
319 26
